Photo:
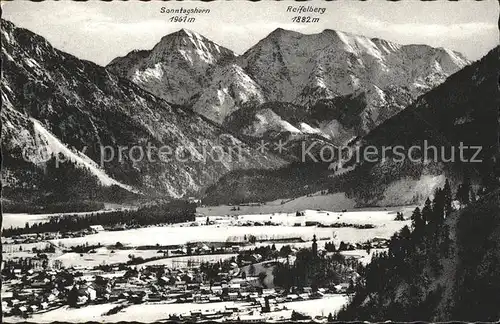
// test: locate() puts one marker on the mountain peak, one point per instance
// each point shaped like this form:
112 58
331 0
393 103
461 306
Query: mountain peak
159 70
280 32
186 33
328 30
169 37
185 39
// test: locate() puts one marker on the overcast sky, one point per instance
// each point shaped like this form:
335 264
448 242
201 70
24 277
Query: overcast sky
100 31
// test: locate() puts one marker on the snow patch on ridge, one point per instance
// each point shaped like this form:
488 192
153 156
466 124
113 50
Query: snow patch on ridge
305 128
405 190
54 146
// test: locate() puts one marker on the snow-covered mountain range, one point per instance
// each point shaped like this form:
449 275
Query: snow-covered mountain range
291 67
55 103
192 93
460 112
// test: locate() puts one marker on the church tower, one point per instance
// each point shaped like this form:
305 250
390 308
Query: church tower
314 246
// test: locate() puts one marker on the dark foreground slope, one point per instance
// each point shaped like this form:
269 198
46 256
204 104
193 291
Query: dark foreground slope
440 273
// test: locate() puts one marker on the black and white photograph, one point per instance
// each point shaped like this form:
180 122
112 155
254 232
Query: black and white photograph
250 161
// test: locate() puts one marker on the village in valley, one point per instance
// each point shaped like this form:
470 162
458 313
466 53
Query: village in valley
241 267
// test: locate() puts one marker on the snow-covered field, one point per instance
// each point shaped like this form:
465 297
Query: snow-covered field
152 312
225 229
145 313
182 235
103 256
361 217
332 202
156 312
92 313
328 304
20 219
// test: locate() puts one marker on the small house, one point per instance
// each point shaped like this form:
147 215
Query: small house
96 228
232 296
341 288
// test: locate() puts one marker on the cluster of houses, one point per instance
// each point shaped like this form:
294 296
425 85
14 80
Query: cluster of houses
254 305
31 238
30 286
37 283
376 243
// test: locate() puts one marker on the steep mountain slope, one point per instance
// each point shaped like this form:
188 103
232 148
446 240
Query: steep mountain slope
229 90
54 102
334 120
176 68
291 67
463 109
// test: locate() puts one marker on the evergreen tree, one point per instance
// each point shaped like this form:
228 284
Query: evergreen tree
251 270
73 296
438 207
489 175
447 198
342 246
427 211
417 222
463 193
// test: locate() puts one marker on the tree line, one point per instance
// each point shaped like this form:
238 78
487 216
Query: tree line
177 211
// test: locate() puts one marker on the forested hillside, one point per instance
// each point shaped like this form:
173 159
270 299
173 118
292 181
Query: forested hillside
444 268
